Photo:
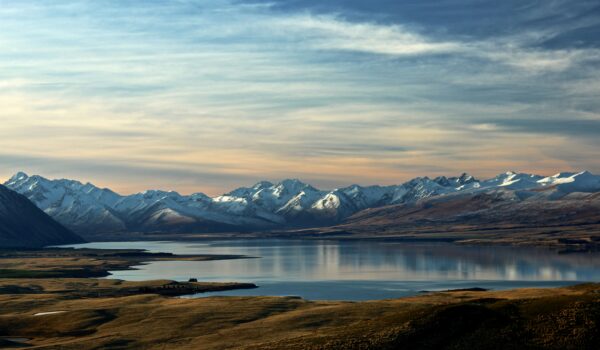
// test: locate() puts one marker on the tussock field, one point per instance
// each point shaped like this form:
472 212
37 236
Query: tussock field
53 318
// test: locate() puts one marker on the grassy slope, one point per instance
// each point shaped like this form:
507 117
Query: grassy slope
565 318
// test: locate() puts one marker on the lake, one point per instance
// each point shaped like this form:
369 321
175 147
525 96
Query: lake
361 270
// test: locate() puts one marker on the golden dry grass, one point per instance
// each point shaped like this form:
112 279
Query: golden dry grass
527 318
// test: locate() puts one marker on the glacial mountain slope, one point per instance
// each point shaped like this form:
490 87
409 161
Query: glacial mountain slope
498 208
548 204
22 224
291 203
86 208
75 205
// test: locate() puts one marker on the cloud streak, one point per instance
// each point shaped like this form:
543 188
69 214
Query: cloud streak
330 33
238 91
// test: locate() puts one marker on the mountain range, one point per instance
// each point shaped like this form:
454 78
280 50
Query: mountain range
22 224
87 209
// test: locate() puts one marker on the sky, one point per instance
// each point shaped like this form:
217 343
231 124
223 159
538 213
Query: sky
210 95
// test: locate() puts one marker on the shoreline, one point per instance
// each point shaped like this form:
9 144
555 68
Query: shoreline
85 262
575 238
33 271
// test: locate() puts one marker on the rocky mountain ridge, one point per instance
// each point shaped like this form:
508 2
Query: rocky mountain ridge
86 208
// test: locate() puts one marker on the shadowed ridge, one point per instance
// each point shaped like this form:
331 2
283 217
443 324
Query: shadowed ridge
22 224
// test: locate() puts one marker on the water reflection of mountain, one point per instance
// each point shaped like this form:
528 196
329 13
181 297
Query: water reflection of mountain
470 262
285 260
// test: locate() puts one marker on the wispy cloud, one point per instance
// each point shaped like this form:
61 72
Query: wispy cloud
331 33
204 91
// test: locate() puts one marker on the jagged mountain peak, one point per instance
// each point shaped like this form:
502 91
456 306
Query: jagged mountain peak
455 181
78 205
567 182
513 180
248 192
19 176
22 179
465 178
442 181
288 188
292 184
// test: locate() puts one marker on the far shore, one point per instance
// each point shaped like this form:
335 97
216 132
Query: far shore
565 238
54 262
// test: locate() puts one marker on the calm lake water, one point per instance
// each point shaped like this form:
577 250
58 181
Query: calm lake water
352 270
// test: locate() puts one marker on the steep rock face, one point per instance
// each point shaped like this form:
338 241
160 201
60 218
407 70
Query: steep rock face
22 224
290 203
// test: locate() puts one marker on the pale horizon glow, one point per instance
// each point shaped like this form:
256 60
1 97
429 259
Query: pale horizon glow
207 96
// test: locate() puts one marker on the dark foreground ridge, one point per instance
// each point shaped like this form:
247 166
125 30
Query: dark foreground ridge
565 318
22 224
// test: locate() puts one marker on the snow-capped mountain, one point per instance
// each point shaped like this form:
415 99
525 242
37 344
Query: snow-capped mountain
509 200
86 208
75 205
572 182
513 181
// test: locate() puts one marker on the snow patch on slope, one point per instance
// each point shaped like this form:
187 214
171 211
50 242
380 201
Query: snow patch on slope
266 204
